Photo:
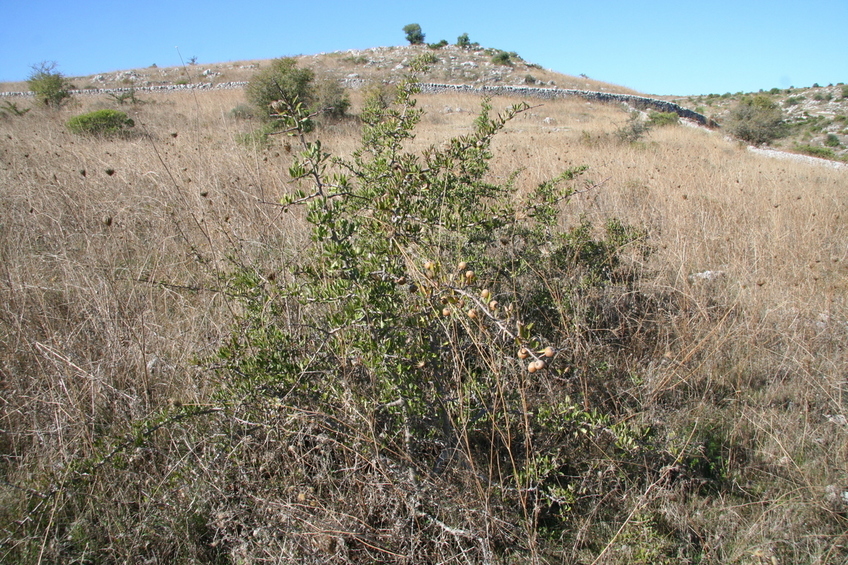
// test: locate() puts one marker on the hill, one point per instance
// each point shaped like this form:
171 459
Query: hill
450 64
437 353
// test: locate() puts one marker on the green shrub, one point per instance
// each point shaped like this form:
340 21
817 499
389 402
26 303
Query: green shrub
845 92
660 119
816 151
11 108
49 85
282 80
414 34
123 97
634 129
420 334
243 112
756 119
502 58
832 140
356 59
529 79
331 99
793 101
438 45
283 85
463 41
428 58
101 123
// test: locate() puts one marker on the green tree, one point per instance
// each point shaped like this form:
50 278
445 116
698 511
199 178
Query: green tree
756 119
414 34
49 85
463 41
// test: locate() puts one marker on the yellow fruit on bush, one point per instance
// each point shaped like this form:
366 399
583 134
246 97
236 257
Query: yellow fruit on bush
523 353
485 294
472 313
469 276
446 311
462 266
531 368
548 351
539 364
493 305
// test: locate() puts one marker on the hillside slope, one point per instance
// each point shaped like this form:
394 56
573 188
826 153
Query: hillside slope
173 390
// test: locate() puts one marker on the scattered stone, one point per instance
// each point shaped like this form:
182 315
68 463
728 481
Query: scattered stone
706 276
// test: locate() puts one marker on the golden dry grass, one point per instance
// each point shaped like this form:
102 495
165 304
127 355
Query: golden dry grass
111 253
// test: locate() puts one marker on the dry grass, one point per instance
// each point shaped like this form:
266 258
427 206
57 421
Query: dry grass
111 254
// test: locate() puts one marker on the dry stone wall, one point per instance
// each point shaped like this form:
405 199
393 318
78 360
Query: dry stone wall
640 102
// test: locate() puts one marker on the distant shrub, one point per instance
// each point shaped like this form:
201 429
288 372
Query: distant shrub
529 79
793 101
832 140
823 97
816 151
845 92
414 34
463 41
281 80
438 45
243 112
427 59
331 99
502 58
774 91
660 119
634 130
11 109
356 59
274 91
105 123
123 97
756 119
49 85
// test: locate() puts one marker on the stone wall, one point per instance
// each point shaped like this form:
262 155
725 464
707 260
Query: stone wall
640 102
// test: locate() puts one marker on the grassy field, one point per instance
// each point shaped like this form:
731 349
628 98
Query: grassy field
725 353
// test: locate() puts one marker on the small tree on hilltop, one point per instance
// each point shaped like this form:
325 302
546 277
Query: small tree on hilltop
49 85
414 34
463 41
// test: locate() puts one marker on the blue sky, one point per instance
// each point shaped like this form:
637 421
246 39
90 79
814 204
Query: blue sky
656 47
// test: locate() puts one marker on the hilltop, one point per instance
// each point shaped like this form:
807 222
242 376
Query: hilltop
449 64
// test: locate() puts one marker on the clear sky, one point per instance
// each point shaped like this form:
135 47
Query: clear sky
656 47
